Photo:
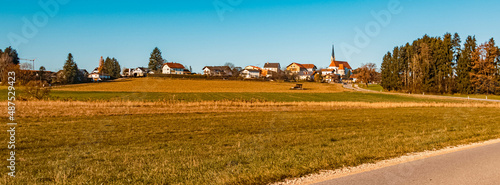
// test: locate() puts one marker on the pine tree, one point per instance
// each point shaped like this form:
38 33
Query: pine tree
386 72
116 69
464 66
70 71
156 61
12 53
395 67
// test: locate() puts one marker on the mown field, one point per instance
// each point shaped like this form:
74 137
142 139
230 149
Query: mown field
159 89
225 134
373 87
233 148
197 86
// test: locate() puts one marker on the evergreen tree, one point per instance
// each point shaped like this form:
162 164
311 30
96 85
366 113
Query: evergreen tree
112 67
41 73
13 54
498 72
386 71
156 61
8 59
70 71
116 69
395 67
464 66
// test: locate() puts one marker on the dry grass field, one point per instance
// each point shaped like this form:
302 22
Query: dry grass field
164 131
193 86
232 147
29 109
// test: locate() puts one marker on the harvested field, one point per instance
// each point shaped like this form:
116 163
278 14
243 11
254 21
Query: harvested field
86 108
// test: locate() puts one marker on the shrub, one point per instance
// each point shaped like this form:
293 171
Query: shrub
38 90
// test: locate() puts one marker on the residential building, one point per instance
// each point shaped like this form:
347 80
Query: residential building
141 72
173 68
217 71
128 72
272 69
253 70
310 67
251 73
303 71
97 74
296 68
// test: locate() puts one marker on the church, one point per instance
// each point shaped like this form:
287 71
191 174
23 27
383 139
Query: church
341 68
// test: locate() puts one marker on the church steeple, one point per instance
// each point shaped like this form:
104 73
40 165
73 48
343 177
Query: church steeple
333 52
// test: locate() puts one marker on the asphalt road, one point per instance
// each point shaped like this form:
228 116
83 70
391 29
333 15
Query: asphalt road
480 165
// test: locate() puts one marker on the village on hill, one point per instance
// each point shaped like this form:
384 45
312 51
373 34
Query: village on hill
109 69
337 71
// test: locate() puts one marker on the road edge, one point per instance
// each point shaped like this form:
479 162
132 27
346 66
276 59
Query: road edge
347 171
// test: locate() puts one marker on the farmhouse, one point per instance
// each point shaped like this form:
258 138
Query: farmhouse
173 68
141 72
217 71
310 67
296 68
128 72
272 69
303 71
97 75
250 73
253 72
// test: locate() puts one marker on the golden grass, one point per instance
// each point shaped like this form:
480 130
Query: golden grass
93 108
232 148
197 85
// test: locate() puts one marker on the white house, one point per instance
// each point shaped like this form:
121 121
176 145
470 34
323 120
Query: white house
96 77
173 68
250 73
141 72
217 71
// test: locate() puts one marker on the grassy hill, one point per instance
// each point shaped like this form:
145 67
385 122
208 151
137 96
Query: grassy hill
198 86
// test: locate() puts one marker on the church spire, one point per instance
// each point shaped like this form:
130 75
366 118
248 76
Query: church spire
333 52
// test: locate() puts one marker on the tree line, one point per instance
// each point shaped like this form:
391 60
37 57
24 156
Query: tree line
441 65
70 74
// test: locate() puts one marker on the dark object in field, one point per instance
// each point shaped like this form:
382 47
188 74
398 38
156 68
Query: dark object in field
297 87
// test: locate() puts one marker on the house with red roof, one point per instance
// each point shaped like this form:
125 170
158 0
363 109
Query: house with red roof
253 72
303 71
173 68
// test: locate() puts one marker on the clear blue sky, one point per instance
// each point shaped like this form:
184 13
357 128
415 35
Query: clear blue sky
191 32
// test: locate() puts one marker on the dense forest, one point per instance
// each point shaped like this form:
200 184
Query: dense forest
441 65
